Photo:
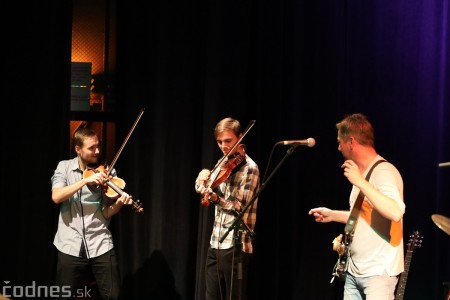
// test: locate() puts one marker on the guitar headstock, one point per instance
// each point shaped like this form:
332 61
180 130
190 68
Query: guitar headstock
415 240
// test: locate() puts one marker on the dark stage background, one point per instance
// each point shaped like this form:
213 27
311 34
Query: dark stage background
296 67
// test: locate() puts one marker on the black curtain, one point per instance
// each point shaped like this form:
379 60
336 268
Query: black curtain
35 116
297 68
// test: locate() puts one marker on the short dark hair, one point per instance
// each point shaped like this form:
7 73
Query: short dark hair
228 124
358 126
81 134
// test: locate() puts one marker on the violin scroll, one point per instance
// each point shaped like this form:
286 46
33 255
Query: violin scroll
201 184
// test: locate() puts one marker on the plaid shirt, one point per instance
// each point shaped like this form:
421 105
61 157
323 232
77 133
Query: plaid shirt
234 193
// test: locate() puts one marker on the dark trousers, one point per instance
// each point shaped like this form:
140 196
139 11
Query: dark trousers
72 273
226 274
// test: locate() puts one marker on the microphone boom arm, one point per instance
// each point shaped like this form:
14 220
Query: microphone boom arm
255 196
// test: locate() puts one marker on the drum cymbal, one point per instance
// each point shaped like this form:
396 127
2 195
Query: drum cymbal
442 222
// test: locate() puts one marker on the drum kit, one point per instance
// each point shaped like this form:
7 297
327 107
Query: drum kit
441 221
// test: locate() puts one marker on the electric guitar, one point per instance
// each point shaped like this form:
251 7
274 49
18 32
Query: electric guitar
342 247
415 241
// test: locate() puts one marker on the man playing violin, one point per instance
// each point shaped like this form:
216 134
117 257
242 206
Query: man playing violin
83 239
227 261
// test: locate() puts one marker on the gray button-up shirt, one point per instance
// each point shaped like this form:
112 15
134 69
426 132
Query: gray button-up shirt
80 218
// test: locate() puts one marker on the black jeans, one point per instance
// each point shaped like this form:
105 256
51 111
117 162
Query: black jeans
226 273
72 273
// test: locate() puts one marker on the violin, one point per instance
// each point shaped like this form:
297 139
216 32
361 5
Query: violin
114 185
226 169
235 156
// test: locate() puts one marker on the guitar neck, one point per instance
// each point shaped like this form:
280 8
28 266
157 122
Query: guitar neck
403 277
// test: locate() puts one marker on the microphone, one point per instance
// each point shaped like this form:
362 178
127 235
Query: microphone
308 142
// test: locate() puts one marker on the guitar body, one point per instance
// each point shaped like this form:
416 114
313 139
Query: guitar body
342 247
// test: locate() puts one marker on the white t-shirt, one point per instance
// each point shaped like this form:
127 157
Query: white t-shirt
377 244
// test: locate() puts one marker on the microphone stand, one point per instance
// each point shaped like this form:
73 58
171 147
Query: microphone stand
255 196
238 233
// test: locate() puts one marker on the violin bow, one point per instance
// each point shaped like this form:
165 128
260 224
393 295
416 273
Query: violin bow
110 167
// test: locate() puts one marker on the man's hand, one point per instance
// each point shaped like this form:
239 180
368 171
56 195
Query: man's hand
321 214
351 171
201 181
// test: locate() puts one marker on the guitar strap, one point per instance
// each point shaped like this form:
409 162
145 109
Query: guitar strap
341 266
354 213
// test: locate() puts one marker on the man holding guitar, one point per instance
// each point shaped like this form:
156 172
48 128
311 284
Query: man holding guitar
373 236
